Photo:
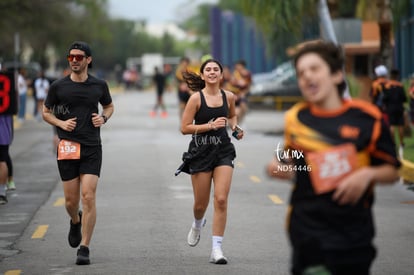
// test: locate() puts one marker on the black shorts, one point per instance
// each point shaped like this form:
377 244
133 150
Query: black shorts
396 118
212 157
356 261
353 261
183 96
4 152
90 162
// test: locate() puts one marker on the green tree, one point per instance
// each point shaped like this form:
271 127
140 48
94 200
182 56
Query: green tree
43 23
168 45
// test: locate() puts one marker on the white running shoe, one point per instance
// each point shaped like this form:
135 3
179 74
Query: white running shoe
11 186
194 235
217 256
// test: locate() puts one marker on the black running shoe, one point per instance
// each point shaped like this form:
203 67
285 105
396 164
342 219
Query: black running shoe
75 234
3 199
83 256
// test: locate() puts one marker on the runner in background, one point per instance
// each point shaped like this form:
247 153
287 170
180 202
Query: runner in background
377 88
159 79
240 81
394 100
183 91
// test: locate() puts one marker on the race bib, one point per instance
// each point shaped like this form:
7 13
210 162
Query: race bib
330 166
68 149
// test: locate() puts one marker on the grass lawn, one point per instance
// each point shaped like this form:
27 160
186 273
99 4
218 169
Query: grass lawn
409 148
407 168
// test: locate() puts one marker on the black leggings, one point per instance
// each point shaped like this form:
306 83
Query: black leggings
9 165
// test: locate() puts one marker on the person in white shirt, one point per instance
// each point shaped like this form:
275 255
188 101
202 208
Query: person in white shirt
41 86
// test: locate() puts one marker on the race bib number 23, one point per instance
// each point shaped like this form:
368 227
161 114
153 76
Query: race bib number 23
68 150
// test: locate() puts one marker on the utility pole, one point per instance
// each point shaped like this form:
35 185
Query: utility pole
385 24
329 32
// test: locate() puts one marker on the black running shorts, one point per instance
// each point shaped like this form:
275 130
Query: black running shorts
396 118
216 155
90 162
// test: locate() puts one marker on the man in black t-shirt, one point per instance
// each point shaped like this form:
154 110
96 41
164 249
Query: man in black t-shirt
72 107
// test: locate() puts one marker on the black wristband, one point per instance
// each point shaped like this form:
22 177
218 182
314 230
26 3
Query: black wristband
105 118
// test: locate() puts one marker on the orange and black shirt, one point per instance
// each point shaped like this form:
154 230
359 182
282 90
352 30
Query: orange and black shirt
394 96
376 91
324 147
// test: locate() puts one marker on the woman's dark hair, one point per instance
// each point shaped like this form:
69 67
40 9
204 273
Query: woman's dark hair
194 81
332 54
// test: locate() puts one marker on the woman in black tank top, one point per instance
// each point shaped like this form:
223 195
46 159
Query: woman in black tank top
210 155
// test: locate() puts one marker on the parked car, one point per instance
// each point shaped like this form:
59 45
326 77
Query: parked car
279 82
278 71
277 89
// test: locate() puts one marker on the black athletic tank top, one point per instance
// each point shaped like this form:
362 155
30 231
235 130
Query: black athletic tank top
206 113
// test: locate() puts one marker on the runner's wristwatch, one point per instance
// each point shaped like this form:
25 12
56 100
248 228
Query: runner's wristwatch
105 118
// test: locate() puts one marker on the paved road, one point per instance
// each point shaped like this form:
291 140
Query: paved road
144 212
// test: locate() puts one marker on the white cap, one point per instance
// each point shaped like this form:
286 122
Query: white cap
381 70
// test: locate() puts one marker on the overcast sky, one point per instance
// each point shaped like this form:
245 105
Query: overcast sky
153 11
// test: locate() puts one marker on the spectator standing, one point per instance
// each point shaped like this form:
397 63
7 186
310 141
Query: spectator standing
72 106
41 86
22 88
